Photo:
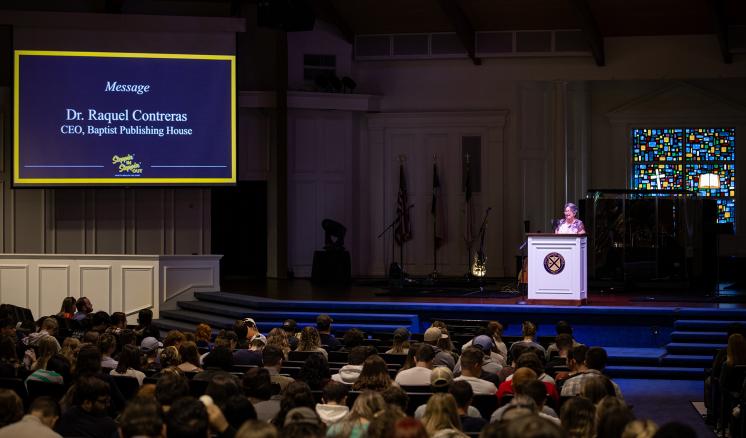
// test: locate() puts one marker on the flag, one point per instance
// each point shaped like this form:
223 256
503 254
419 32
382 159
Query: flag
403 230
436 210
469 208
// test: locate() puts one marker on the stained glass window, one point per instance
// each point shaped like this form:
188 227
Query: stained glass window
674 158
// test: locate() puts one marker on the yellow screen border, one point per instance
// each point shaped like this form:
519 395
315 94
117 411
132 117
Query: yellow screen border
17 180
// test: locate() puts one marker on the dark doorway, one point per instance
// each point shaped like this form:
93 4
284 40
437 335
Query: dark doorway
239 231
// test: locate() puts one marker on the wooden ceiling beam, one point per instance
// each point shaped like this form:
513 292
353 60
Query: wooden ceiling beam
590 29
720 21
331 14
462 25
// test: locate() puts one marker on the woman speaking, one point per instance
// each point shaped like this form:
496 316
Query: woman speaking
570 224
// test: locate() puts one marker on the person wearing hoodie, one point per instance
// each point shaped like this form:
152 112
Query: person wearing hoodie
349 373
334 406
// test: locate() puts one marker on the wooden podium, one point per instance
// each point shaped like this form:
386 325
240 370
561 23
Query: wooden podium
557 269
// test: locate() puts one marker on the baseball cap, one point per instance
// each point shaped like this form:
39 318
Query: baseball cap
290 324
433 334
150 344
259 338
249 322
441 376
484 342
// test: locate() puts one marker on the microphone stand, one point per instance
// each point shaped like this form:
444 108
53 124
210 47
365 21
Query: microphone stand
395 267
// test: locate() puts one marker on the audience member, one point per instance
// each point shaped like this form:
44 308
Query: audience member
10 366
67 310
56 369
563 344
237 410
353 338
88 415
394 395
279 338
187 418
190 362
145 327
203 335
528 331
640 429
442 358
400 343
257 429
356 422
84 307
315 372
578 417
273 356
257 387
38 423
531 426
595 362
88 364
142 418
303 423
11 407
374 375
487 346
349 373
107 343
382 424
471 363
561 328
297 395
310 341
171 387
252 355
463 393
290 327
333 406
169 357
612 416
174 338
419 375
324 326
47 330
441 414
409 428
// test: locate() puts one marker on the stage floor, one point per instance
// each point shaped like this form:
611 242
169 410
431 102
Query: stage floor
376 290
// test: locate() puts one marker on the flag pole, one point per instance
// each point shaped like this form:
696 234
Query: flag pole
434 207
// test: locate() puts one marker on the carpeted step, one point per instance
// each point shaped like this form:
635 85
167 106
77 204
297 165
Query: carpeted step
265 326
705 337
686 360
641 372
634 356
705 325
693 348
410 321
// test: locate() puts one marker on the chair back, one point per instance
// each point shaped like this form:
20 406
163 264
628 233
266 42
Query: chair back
486 404
127 385
38 388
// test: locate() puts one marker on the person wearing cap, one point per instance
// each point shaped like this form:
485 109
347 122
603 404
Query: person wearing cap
149 347
418 375
324 326
471 369
253 354
442 358
400 342
489 366
464 394
441 381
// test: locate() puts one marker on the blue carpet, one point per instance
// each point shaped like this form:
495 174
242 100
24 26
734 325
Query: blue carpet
664 401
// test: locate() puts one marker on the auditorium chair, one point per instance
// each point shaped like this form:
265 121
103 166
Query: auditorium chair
17 386
197 388
338 356
486 404
290 371
150 380
416 399
417 388
394 359
127 385
300 355
37 389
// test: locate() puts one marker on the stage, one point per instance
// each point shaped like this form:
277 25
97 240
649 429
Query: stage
662 335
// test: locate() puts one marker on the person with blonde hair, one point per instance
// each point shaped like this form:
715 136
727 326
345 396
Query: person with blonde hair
310 341
257 429
355 424
640 429
441 414
279 338
70 348
169 357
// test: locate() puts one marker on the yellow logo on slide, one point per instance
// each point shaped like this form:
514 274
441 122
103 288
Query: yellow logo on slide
127 165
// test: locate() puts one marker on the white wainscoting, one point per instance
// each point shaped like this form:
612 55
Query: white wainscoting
113 283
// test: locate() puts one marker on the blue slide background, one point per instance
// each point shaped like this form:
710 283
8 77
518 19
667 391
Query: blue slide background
49 85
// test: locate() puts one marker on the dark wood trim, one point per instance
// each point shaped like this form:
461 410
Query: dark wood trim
590 29
462 25
576 303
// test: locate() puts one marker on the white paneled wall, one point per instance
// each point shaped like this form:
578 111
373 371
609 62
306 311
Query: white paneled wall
113 283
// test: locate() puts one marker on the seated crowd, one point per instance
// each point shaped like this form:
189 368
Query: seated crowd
85 373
